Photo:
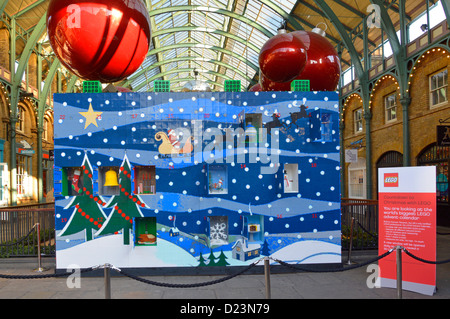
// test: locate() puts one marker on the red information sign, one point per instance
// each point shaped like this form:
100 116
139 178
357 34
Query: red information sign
407 218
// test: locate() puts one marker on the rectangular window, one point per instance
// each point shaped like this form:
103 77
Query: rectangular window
218 230
24 186
253 122
20 119
108 180
438 88
45 135
356 183
72 181
144 180
217 179
357 119
326 127
144 231
290 178
321 124
390 106
3 184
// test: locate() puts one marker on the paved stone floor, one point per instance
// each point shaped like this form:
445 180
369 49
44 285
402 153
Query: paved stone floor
350 284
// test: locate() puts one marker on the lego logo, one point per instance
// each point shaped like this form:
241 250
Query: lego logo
391 180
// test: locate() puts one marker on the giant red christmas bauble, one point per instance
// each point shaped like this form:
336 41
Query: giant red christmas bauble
255 88
268 85
104 40
323 66
282 57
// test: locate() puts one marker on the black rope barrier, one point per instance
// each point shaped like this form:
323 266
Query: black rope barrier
202 284
170 285
366 231
20 239
297 267
42 276
424 260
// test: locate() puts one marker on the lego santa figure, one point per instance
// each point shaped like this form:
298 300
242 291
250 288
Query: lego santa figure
174 139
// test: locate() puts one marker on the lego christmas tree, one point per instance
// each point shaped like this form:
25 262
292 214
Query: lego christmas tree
202 261
222 259
212 259
88 214
125 206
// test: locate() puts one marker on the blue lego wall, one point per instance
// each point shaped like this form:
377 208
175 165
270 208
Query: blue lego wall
196 179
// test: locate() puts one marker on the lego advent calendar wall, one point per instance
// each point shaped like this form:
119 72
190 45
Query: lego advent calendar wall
196 179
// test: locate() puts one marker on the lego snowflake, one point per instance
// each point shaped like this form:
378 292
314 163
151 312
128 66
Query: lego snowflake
218 233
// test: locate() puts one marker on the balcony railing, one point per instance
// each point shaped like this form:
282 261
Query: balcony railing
18 234
359 223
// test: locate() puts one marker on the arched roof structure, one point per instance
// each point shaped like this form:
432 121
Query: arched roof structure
206 32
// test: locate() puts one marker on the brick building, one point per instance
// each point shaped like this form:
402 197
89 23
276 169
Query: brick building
428 108
28 187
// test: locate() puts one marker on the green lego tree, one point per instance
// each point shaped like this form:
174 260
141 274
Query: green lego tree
201 261
125 206
222 259
212 259
88 214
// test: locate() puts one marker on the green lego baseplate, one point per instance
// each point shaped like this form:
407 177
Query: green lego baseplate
161 86
232 85
92 87
300 85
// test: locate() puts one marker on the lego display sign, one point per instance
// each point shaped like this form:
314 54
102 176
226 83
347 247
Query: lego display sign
407 218
196 179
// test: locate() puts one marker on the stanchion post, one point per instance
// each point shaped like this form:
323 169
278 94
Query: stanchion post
267 276
39 244
38 230
399 272
349 262
107 281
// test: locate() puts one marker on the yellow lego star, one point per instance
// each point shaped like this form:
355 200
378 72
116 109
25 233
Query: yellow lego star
91 116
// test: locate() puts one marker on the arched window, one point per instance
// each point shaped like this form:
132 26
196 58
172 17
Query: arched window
390 159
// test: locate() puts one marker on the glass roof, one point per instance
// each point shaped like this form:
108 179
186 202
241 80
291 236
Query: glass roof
221 39
208 40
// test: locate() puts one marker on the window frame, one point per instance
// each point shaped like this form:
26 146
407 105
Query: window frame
23 175
144 179
217 171
20 124
437 88
4 182
45 130
388 107
356 174
357 121
290 170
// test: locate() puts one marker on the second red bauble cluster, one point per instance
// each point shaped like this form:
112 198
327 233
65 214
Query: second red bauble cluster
298 55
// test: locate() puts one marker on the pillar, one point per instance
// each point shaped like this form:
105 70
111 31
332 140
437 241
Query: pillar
405 101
